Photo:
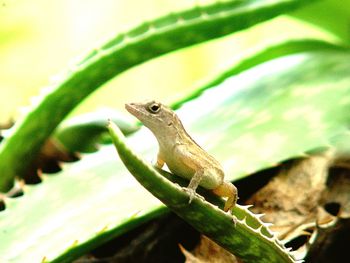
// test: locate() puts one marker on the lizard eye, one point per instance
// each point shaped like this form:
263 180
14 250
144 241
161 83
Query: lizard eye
154 108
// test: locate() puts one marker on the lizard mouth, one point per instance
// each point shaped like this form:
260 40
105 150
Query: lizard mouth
135 110
138 111
130 107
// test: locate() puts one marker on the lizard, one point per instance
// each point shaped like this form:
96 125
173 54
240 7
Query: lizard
183 156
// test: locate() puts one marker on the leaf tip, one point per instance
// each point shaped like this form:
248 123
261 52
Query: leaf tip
114 130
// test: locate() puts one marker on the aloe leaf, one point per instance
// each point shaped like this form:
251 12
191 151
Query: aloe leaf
147 41
328 15
95 199
248 237
83 133
263 55
278 119
73 212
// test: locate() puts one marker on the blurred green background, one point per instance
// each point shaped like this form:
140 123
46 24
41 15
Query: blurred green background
42 38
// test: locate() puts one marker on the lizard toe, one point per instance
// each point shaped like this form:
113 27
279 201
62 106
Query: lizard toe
191 193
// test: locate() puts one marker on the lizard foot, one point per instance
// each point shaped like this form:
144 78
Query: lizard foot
192 193
234 218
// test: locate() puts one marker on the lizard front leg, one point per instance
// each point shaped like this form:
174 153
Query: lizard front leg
195 180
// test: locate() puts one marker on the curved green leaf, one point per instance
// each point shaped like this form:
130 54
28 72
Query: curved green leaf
261 56
330 16
248 237
147 41
83 133
272 112
263 119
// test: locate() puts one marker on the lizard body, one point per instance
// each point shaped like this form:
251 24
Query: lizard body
183 156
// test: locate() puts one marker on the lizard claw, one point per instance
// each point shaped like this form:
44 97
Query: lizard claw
234 219
191 193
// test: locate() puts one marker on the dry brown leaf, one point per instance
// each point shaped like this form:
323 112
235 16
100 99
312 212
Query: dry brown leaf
309 204
330 240
208 251
291 198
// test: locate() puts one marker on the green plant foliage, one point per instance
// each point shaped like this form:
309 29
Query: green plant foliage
261 56
84 133
147 41
247 238
322 15
274 111
278 120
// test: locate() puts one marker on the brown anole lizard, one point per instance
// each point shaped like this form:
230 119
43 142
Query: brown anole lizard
183 156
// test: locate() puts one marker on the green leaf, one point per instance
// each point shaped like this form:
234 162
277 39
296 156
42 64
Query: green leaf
83 133
263 55
145 42
248 238
272 112
329 15
265 117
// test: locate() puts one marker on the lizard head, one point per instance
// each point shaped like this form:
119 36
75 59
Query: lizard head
154 115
